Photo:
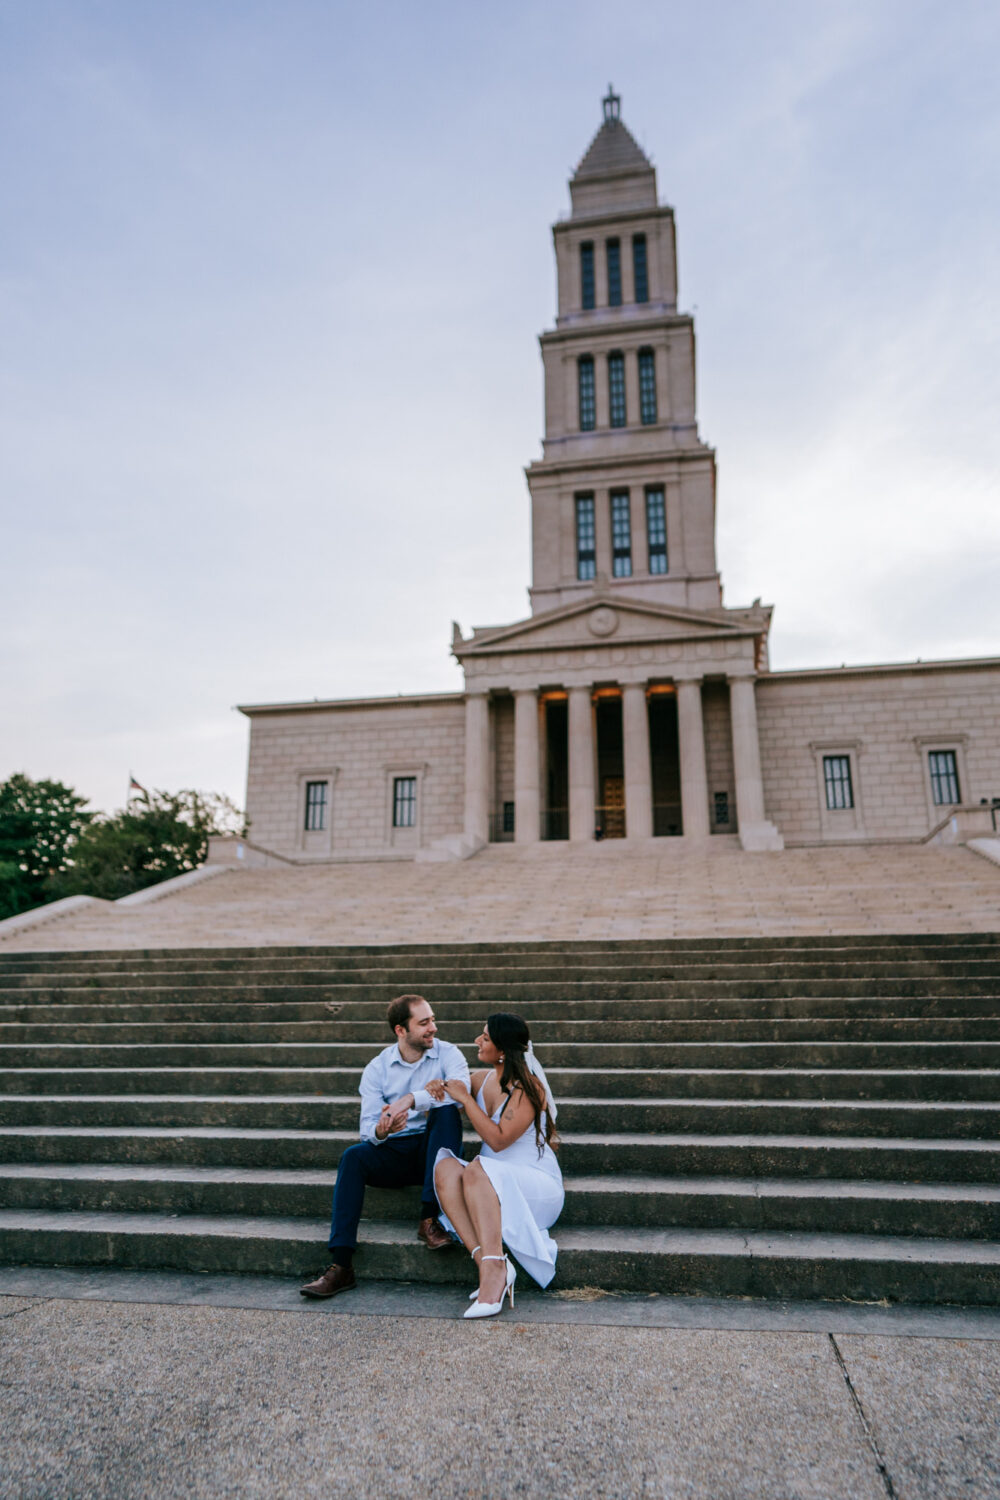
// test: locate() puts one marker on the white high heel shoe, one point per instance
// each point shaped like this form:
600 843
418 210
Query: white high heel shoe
490 1309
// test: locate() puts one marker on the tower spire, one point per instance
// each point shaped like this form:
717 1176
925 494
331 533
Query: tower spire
612 104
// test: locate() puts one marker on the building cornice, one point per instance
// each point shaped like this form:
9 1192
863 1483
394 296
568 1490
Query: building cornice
883 669
323 705
611 326
654 456
610 215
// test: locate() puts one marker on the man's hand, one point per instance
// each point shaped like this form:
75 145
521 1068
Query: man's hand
436 1090
393 1116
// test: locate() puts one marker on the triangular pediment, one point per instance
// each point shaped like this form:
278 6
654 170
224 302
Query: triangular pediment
600 620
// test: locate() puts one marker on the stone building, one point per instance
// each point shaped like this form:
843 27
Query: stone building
632 703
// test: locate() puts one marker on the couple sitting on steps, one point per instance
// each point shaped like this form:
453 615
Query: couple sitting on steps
412 1096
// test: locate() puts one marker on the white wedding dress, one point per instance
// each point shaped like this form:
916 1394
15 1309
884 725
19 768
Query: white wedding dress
530 1188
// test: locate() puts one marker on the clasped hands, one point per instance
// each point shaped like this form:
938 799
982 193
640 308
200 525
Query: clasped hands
394 1116
441 1089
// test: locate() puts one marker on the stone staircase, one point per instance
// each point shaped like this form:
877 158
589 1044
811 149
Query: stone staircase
797 1117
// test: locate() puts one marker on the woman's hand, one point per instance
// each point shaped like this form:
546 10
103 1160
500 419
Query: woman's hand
457 1090
436 1090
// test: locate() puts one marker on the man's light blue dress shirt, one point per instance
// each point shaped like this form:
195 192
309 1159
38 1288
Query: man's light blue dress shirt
388 1077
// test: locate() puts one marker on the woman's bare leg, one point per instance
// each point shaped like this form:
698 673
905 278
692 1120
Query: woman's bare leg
448 1176
483 1208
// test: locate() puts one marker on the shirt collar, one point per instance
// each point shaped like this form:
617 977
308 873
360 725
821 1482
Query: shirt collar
397 1057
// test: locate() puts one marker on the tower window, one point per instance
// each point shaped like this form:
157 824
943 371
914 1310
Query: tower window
404 802
621 535
616 389
587 273
586 545
837 779
315 806
647 387
614 273
639 273
944 778
656 530
585 382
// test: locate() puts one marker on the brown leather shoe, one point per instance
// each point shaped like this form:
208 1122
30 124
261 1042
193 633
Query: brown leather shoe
433 1236
335 1279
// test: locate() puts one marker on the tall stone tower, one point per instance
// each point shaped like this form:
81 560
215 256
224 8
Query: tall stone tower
624 495
624 706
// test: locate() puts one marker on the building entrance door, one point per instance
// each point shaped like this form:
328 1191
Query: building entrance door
610 813
555 813
665 762
613 800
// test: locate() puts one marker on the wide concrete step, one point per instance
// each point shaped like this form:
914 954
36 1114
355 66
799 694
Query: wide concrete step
601 969
602 1052
808 948
506 994
544 1030
822 1117
750 1204
870 1157
690 1262
960 1084
711 943
453 1015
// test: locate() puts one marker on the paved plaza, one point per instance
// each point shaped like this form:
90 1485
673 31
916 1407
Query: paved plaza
388 1395
558 891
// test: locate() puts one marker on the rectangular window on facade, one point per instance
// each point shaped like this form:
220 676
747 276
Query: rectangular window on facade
621 535
944 778
721 809
616 389
837 780
588 404
404 802
639 271
656 530
508 817
586 544
647 387
315 806
587 274
614 250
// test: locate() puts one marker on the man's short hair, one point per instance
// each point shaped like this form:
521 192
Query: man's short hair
400 1010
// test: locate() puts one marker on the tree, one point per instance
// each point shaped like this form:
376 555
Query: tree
41 823
159 834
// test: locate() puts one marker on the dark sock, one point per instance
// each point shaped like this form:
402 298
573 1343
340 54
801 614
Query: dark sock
342 1257
428 1210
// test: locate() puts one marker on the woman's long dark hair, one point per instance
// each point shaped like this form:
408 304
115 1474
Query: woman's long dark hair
510 1035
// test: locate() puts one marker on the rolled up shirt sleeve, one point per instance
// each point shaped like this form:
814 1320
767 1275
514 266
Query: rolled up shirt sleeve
454 1066
372 1101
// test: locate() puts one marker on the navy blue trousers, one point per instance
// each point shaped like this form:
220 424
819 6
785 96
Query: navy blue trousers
400 1161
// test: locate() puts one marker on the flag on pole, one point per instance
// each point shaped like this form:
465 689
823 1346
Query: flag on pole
134 786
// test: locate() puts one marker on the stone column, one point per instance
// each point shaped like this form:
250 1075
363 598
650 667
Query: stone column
581 764
694 772
638 770
527 801
477 767
754 829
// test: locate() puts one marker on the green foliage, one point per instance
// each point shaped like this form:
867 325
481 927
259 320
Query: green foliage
41 823
159 835
51 847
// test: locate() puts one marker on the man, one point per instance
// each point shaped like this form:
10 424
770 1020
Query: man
402 1130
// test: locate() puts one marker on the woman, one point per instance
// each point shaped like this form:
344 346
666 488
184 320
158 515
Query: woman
512 1192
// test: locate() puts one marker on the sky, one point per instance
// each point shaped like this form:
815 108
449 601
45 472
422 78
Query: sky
271 280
